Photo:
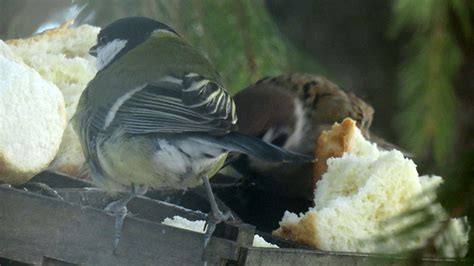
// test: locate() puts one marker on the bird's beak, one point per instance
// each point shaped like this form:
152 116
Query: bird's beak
93 51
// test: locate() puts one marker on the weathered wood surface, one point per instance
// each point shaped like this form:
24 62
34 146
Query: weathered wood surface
74 230
34 227
280 257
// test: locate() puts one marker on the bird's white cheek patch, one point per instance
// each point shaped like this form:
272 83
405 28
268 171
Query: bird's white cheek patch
300 127
106 53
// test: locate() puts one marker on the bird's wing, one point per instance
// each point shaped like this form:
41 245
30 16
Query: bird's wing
174 105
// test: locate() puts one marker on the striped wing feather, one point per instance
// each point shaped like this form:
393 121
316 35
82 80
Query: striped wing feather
191 104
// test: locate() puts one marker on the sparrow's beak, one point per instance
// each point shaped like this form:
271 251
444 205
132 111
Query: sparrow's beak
93 51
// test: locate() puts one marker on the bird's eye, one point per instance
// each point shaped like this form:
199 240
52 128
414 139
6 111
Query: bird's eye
102 39
306 88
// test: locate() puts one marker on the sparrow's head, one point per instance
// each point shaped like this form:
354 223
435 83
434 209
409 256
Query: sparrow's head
327 103
306 105
123 35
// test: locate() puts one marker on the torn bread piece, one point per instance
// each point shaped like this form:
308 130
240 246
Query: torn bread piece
362 188
32 119
333 143
61 56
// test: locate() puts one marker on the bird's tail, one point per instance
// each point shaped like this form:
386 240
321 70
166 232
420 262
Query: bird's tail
259 149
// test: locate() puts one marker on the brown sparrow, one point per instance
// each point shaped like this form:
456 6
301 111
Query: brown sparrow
291 111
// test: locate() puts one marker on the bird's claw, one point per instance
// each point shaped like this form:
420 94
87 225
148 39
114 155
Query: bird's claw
118 210
218 217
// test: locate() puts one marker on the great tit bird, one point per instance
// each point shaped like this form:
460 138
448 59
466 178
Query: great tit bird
291 111
156 115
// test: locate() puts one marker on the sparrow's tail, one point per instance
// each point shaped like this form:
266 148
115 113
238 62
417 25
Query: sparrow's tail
259 149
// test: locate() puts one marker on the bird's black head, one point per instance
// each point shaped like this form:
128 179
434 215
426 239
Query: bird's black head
123 35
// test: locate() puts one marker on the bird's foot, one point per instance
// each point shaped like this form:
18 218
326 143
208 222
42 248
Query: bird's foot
213 219
119 210
217 217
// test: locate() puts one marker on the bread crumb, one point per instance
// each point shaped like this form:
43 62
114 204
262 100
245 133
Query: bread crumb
198 226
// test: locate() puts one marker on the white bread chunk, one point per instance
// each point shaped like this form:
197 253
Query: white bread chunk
183 223
198 226
358 194
61 56
32 120
260 242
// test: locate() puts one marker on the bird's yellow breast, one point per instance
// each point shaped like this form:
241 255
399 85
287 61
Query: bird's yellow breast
158 163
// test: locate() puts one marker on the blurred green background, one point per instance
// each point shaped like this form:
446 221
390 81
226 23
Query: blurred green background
413 61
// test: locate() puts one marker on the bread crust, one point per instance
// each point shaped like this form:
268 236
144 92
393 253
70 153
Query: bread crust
47 34
332 143
304 232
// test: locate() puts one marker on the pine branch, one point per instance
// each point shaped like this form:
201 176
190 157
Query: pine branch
427 98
